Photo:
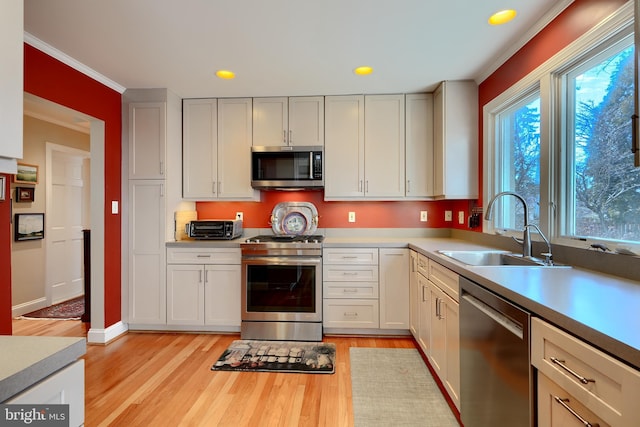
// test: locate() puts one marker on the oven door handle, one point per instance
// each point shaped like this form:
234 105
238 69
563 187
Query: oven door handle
282 260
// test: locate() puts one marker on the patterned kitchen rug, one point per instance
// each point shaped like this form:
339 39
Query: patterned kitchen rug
72 309
278 356
393 387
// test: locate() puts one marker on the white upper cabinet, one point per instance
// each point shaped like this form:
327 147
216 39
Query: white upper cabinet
147 140
234 149
364 147
384 146
344 146
455 123
200 141
217 149
419 146
288 121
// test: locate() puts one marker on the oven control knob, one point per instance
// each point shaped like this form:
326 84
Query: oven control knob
306 240
315 241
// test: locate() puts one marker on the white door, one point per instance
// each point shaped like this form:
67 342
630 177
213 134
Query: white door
67 215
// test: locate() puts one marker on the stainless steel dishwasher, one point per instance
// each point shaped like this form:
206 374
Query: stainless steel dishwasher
496 386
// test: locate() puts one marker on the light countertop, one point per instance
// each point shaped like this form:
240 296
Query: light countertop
25 361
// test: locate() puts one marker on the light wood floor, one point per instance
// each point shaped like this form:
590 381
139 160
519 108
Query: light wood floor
164 379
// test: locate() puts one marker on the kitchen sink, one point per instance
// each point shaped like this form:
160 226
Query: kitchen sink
489 258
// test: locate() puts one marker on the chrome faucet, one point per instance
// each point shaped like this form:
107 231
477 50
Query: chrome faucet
526 234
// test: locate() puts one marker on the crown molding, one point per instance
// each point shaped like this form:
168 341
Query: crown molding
73 63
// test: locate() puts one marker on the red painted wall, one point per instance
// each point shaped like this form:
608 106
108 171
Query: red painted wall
49 78
335 214
573 22
5 261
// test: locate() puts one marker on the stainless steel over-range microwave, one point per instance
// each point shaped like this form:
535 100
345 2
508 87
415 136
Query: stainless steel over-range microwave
287 167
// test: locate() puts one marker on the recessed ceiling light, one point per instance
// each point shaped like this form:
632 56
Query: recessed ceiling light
363 71
502 17
225 74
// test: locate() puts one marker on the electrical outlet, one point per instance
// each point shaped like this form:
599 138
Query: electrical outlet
460 217
448 216
423 216
240 216
352 217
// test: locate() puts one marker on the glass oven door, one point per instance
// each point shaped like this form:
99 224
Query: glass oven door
282 288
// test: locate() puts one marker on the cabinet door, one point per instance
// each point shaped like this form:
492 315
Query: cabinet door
185 294
222 295
147 140
306 120
424 321
270 121
437 351
455 126
384 146
147 293
414 295
452 348
394 288
234 149
419 145
11 84
199 142
344 147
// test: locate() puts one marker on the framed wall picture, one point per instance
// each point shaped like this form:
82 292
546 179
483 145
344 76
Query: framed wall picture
27 174
28 226
25 194
3 185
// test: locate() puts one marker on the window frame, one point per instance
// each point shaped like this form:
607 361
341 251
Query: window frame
548 80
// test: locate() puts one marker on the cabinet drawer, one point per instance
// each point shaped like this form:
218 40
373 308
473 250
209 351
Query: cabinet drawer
350 273
367 256
203 255
423 265
445 279
350 313
553 413
352 290
608 386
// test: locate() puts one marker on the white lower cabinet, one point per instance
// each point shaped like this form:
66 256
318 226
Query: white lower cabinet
580 385
65 387
414 294
394 288
203 287
435 300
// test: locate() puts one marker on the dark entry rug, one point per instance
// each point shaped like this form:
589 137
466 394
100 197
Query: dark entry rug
72 309
278 356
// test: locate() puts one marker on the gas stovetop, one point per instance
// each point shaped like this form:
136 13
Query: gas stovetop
285 238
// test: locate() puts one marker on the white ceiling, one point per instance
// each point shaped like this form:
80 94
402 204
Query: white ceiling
284 47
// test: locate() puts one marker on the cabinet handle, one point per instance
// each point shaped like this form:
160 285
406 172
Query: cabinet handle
360 186
579 377
284 136
206 276
408 186
423 298
204 256
441 315
350 314
349 273
219 187
161 190
161 167
366 186
349 256
213 187
350 291
290 137
200 280
564 402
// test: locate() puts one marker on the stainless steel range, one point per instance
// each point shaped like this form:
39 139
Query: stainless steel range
282 277
282 287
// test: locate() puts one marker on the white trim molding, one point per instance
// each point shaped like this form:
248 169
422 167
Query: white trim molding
104 336
73 63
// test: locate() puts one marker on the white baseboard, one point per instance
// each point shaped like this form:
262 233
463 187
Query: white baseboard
104 336
28 307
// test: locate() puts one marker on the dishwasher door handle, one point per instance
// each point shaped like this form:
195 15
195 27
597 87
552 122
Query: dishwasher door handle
500 318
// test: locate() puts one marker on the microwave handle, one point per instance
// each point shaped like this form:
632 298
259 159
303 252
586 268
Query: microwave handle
311 165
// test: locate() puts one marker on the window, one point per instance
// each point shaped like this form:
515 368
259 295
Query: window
602 185
561 139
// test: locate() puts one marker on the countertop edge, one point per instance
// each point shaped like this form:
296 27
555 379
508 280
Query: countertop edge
31 375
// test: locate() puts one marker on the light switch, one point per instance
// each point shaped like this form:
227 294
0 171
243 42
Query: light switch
448 216
114 207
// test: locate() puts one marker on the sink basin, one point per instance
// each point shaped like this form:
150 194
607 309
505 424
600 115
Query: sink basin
491 258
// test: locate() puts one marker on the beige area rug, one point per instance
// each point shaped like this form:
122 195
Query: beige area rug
393 387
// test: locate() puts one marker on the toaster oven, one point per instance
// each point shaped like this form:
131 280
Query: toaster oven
214 229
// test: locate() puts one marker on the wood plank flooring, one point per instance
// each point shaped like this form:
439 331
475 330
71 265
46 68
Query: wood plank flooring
164 379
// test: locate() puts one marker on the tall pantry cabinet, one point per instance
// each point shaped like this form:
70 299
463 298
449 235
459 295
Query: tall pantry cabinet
151 118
